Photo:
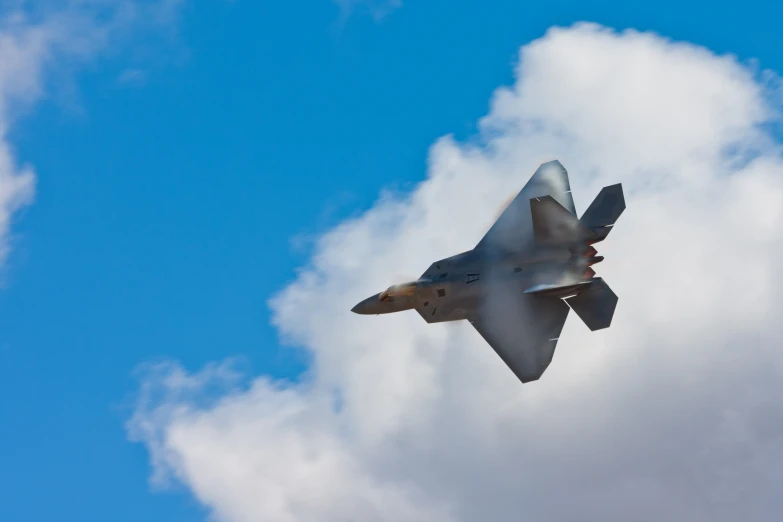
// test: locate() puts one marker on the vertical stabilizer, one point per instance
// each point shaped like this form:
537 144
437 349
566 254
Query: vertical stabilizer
604 211
553 224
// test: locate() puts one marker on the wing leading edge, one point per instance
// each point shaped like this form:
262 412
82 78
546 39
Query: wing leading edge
514 228
523 330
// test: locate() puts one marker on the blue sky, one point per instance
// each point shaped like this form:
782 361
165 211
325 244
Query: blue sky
169 210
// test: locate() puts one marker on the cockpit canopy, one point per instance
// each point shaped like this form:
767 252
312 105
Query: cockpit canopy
402 290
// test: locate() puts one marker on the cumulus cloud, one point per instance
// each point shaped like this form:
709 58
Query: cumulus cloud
671 414
52 37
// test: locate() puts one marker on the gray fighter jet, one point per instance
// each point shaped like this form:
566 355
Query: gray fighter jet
516 286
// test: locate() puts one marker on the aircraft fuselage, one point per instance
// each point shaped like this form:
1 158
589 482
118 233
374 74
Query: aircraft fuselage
456 284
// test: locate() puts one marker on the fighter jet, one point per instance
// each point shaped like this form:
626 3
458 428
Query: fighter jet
517 285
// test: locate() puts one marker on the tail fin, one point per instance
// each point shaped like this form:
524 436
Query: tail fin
553 224
604 211
595 305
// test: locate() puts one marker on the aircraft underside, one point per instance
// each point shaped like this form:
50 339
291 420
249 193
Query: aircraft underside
517 286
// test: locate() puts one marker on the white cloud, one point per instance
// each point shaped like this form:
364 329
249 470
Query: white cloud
671 414
52 37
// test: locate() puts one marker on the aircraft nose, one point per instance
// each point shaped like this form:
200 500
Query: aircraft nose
366 307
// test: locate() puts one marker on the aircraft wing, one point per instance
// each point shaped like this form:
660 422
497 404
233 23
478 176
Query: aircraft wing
523 330
513 230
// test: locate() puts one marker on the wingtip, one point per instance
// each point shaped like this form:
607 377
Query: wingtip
554 163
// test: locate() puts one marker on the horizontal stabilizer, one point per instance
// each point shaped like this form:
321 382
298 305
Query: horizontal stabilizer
595 305
604 210
554 225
